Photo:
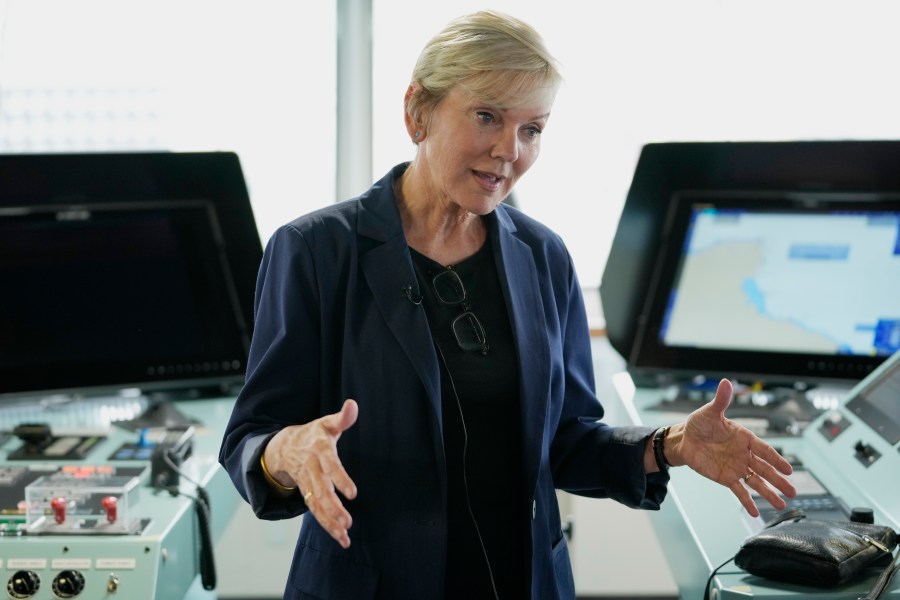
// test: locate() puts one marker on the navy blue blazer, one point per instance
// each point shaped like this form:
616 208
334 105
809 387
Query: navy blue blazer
333 322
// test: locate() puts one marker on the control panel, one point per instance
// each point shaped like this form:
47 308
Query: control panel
122 522
846 464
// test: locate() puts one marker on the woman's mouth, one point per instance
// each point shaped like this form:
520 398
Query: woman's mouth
488 180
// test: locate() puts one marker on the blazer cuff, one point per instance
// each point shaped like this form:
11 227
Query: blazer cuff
637 489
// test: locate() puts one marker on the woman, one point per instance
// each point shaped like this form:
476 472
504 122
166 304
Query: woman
420 379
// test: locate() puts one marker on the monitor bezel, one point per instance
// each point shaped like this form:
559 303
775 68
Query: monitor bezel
168 178
650 357
211 295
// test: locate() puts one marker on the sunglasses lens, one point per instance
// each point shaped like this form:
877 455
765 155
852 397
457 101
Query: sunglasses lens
449 288
466 327
469 332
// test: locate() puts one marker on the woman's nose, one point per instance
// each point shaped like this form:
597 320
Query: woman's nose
506 145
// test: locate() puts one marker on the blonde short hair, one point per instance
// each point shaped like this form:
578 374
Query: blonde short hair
496 57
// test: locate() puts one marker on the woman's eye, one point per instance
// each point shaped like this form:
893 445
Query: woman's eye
485 117
532 132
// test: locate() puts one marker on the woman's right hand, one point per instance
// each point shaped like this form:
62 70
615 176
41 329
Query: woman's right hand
306 456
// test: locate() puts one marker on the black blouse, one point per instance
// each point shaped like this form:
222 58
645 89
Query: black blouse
488 520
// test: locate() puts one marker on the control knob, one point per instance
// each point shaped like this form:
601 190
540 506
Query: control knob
862 514
23 584
68 584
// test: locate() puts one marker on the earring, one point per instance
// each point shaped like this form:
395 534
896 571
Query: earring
418 133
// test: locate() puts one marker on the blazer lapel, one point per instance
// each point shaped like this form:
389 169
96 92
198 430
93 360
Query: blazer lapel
388 270
519 280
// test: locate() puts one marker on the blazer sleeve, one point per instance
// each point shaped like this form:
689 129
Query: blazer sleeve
282 381
589 457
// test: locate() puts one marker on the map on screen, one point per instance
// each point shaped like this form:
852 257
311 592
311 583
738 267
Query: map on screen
788 281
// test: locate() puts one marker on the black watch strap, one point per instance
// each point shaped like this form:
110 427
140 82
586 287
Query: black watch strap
659 446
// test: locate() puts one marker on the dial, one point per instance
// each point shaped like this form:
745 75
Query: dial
68 584
23 584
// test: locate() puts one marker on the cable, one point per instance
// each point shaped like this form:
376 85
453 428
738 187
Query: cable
171 464
884 580
713 574
204 512
207 558
465 478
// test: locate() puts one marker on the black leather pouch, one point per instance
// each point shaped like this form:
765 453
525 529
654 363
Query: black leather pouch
810 552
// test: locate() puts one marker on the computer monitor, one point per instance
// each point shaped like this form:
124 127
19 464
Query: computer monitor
665 168
124 271
780 287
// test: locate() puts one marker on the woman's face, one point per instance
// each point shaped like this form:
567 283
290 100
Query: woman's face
473 153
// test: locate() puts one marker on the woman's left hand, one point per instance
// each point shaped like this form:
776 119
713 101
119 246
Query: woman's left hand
730 454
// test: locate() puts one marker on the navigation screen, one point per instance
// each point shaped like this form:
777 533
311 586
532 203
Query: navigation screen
792 281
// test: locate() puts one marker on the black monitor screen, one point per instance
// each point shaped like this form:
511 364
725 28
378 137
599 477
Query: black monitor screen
116 293
807 288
